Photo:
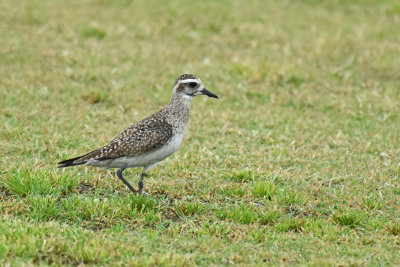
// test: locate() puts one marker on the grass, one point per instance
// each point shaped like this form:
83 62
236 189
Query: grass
297 163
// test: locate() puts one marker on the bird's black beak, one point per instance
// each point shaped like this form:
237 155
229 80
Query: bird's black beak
208 93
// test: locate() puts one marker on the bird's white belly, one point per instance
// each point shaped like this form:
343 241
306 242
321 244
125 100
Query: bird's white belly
143 160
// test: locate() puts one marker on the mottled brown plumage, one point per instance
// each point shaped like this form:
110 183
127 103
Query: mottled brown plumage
142 137
149 141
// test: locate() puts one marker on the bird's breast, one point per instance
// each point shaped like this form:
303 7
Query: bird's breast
171 146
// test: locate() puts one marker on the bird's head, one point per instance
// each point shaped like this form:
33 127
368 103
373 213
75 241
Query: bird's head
189 86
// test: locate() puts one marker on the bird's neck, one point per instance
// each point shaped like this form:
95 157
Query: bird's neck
179 111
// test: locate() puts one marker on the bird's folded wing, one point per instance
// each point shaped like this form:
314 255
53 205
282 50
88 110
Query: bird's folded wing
142 137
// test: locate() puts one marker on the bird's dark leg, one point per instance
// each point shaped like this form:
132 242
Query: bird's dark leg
119 174
141 182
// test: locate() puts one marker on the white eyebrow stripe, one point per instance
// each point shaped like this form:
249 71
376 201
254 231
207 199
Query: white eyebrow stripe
189 81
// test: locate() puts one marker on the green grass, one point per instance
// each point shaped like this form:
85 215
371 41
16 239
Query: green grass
297 163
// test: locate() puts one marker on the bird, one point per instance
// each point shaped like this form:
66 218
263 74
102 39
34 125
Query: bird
149 141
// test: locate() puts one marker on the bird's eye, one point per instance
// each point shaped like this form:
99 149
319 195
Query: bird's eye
193 84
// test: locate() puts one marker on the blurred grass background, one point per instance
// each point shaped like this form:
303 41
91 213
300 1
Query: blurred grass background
296 163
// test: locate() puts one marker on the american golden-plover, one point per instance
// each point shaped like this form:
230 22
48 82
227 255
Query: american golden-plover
147 142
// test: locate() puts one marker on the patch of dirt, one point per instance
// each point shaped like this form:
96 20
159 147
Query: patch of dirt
48 257
298 211
95 225
85 188
4 192
170 214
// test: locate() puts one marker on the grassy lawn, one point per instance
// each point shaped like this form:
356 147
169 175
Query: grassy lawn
297 163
